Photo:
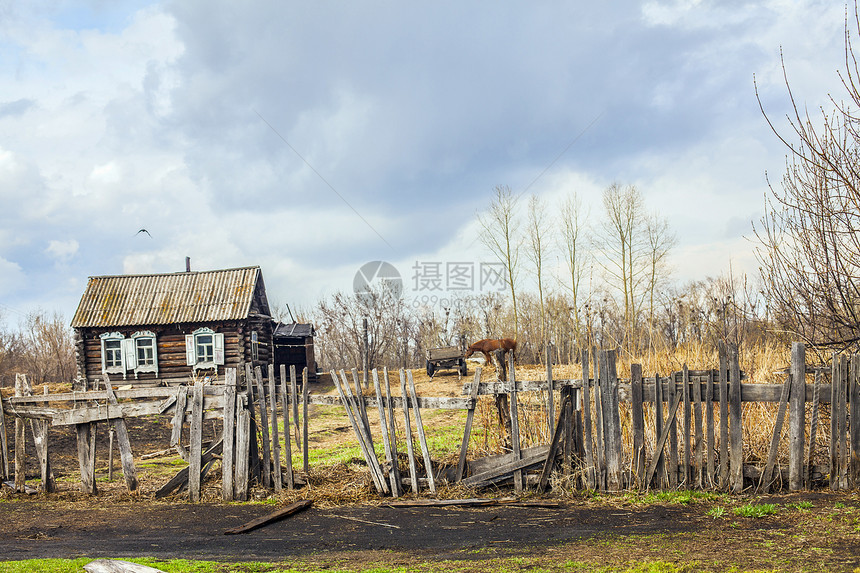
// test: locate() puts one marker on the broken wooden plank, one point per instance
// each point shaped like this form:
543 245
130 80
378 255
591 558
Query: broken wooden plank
118 566
461 464
504 469
291 509
129 472
195 444
471 502
661 442
181 477
422 438
764 484
553 449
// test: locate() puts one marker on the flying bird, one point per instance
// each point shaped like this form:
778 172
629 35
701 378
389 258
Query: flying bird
143 231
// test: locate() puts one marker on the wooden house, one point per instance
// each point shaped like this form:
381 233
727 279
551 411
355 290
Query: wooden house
294 346
170 328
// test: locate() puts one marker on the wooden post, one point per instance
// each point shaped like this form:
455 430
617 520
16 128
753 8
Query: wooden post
422 439
243 443
797 417
660 466
111 433
638 418
229 435
835 383
586 422
515 424
365 359
39 428
128 469
599 426
685 389
294 395
305 391
473 395
698 451
195 443
20 457
736 428
285 408
813 425
709 425
854 418
86 452
724 416
612 420
179 421
4 446
842 421
264 427
410 449
550 397
276 440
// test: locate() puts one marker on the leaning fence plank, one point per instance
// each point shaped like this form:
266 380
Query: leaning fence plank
178 421
295 400
467 432
767 475
672 425
638 419
586 421
229 435
797 417
685 389
392 434
383 429
264 429
285 408
661 441
658 430
276 440
410 449
129 472
736 428
352 412
724 417
422 438
553 448
195 443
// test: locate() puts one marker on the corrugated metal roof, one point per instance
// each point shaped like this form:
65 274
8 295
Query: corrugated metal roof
130 300
294 329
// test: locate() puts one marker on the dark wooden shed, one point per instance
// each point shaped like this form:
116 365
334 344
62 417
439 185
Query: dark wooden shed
170 328
294 345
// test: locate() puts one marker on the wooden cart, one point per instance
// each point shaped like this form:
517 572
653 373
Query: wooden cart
446 357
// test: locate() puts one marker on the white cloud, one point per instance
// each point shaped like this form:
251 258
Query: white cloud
62 250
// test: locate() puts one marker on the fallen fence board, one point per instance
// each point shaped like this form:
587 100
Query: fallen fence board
271 518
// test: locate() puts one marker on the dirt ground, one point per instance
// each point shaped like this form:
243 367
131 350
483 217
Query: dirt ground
813 531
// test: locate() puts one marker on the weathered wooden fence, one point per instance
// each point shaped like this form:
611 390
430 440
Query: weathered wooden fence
683 430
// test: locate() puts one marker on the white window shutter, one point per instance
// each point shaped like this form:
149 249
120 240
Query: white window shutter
129 354
190 351
218 341
104 367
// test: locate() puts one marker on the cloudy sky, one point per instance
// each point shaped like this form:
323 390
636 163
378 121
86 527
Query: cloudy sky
312 137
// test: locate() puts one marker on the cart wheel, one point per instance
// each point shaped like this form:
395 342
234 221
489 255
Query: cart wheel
430 369
463 369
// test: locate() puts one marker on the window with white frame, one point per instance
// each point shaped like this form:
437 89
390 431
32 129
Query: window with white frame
204 348
112 353
142 352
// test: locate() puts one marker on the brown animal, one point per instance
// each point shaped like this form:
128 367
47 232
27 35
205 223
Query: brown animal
491 345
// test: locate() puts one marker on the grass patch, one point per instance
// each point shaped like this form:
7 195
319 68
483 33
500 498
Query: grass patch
756 510
717 512
684 497
801 505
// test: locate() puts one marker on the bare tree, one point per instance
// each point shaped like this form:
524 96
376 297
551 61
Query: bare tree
660 241
536 248
574 230
48 348
500 233
809 252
